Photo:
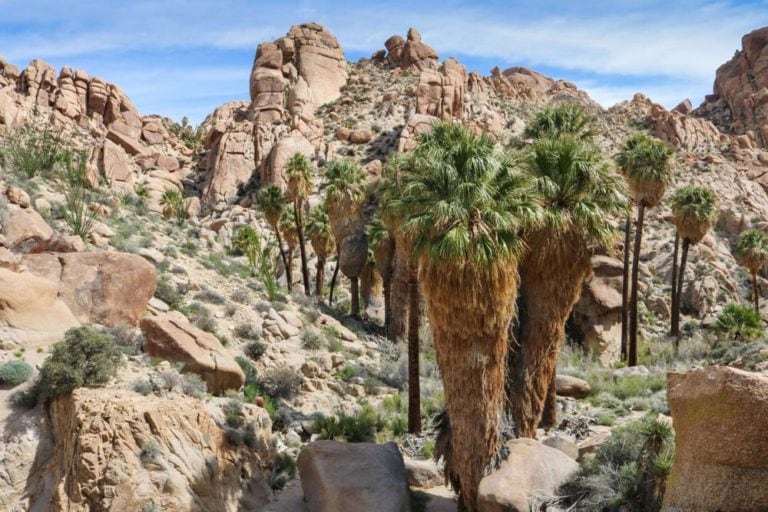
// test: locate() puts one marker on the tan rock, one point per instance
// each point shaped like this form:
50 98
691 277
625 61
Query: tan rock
572 386
26 231
360 136
18 197
273 168
131 146
172 337
115 165
94 284
31 303
721 451
418 123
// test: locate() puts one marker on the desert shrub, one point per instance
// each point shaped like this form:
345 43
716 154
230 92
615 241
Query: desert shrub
311 340
191 136
210 296
241 295
170 379
201 316
78 195
167 292
360 427
282 382
247 242
193 385
283 472
174 205
248 331
234 436
143 387
251 375
233 413
149 451
15 372
86 357
739 322
252 391
742 354
129 339
255 349
34 147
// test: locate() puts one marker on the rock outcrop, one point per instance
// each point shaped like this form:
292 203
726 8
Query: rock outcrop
99 287
531 470
441 92
410 53
173 338
721 451
739 104
353 476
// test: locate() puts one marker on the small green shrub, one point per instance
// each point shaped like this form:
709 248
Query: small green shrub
78 213
34 147
167 292
248 331
282 382
193 385
284 471
143 387
311 340
360 427
739 322
15 372
149 451
174 205
210 296
233 413
255 349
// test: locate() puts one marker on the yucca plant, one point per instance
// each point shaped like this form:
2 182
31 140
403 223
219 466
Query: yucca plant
694 211
174 205
752 251
247 241
739 322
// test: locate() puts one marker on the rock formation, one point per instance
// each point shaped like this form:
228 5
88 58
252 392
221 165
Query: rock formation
441 92
410 53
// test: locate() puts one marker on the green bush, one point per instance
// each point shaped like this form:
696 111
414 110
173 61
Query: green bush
282 382
34 147
311 340
255 349
149 451
360 427
78 195
284 471
739 322
13 373
174 205
87 357
233 413
193 385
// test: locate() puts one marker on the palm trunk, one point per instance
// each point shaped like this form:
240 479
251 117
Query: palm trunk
625 290
284 257
302 247
399 292
333 281
469 311
755 292
633 295
549 415
354 290
679 291
675 323
320 276
388 308
550 286
414 386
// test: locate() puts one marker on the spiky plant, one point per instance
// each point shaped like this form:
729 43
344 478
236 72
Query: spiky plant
323 243
272 205
694 211
646 163
580 196
464 207
298 170
653 463
752 252
345 189
562 119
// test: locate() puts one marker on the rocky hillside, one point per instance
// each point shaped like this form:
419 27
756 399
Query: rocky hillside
223 376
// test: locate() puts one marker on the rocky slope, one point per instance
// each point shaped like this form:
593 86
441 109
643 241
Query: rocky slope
177 286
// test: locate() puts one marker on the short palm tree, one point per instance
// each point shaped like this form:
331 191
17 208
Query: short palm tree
580 196
463 208
323 243
299 173
646 163
694 211
752 252
561 119
290 233
382 243
272 204
345 189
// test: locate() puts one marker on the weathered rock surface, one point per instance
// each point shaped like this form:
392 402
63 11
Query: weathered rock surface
571 386
721 451
26 231
173 338
532 469
411 53
99 287
353 476
441 92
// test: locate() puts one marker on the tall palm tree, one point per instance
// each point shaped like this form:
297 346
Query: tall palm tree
290 233
371 284
272 204
464 207
647 165
580 196
299 173
625 285
752 251
561 119
323 243
345 190
694 211
382 242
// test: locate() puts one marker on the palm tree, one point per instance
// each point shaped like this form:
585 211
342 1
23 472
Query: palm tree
463 207
345 189
370 280
299 173
323 243
382 242
752 251
290 233
561 119
580 196
694 211
647 164
625 285
272 204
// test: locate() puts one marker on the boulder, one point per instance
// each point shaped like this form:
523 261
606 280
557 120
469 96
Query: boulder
26 231
115 164
572 386
721 450
131 145
109 288
563 444
417 123
353 476
173 338
18 197
531 469
320 61
102 456
423 473
273 168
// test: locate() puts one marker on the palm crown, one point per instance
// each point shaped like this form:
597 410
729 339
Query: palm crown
647 164
319 230
345 184
578 190
299 173
694 210
565 118
752 249
272 203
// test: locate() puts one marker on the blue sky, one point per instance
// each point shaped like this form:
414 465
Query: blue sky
185 57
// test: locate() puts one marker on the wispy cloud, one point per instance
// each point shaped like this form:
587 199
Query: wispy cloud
170 54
